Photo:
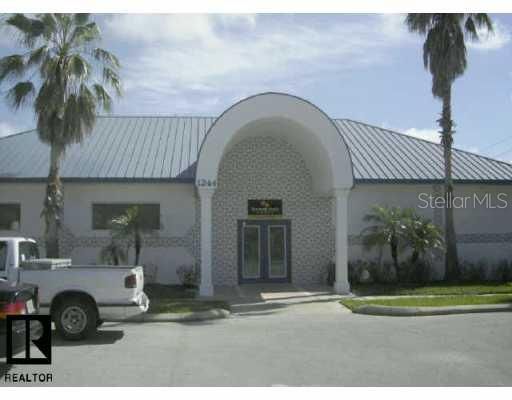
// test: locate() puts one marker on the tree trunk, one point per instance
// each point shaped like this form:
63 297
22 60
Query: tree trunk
53 203
415 256
446 123
394 256
138 245
115 256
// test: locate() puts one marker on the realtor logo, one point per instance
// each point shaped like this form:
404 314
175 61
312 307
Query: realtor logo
34 329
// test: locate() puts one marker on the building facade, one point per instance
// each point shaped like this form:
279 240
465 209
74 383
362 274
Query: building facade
273 190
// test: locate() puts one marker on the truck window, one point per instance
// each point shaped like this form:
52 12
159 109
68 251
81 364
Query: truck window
3 255
28 251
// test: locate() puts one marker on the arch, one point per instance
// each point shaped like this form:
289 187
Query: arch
301 123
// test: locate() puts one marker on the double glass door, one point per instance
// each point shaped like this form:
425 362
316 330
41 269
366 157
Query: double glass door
264 250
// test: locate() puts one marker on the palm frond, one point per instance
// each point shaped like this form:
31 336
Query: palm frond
71 69
111 78
28 29
81 18
12 66
78 67
50 25
85 34
36 56
103 97
20 94
420 23
106 57
474 22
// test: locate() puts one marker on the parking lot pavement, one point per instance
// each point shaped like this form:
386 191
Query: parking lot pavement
311 344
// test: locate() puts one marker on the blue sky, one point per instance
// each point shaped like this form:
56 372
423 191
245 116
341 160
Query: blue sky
363 67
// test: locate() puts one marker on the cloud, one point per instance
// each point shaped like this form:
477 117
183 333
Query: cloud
226 55
432 135
497 39
471 149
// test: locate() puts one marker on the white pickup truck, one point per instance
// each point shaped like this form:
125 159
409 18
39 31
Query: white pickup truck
78 297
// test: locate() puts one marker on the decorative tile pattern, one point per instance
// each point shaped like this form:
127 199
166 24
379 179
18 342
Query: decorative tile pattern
265 167
505 237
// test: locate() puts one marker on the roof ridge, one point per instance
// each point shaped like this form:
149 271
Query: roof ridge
424 140
154 116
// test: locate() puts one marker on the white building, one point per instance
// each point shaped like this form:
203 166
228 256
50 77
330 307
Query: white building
272 190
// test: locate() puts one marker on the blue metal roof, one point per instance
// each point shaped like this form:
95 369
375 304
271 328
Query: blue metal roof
166 148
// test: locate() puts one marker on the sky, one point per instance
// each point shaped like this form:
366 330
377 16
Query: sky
363 67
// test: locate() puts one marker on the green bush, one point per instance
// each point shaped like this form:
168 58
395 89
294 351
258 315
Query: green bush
417 272
361 271
188 275
503 271
473 272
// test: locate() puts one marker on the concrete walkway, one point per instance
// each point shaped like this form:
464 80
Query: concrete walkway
261 299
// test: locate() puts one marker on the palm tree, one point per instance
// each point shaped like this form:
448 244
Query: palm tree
444 55
65 77
113 253
422 236
130 225
387 229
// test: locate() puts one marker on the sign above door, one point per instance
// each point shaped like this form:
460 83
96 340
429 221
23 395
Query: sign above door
264 207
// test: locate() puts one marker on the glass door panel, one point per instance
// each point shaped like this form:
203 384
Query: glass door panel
277 263
251 252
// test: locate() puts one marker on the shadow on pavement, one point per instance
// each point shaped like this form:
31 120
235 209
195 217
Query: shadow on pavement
4 368
270 307
100 338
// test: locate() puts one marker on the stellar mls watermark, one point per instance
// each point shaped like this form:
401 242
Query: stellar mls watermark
476 200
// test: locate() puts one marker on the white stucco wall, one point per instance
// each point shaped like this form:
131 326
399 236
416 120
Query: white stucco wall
483 233
30 196
168 248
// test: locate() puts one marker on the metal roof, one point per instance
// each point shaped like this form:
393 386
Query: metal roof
144 148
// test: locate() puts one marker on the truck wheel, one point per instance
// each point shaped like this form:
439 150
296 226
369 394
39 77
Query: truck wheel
75 318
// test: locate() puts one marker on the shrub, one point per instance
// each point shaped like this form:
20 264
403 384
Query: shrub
361 271
473 272
188 275
503 271
417 272
401 229
383 272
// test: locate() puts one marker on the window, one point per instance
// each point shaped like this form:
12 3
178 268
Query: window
102 214
28 251
3 255
10 215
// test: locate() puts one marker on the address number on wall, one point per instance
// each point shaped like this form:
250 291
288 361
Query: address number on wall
201 182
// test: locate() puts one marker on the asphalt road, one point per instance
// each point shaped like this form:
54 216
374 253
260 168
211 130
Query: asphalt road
306 344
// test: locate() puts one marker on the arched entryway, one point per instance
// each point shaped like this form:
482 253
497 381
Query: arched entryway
291 128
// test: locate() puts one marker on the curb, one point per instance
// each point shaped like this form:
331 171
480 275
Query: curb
216 313
426 311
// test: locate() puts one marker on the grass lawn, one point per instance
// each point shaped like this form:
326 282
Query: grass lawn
459 300
436 288
177 299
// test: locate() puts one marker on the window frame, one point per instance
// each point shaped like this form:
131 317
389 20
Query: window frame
3 267
19 216
127 205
